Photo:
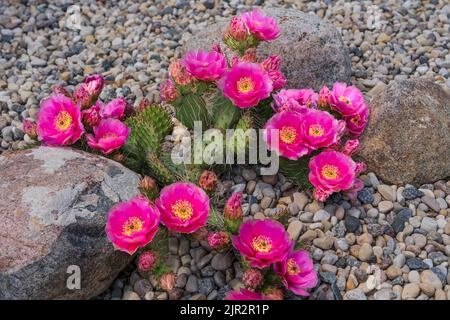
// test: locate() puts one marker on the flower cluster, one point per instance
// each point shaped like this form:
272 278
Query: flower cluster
242 79
64 118
306 122
265 243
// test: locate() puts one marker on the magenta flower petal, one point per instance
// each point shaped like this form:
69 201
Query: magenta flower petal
262 242
297 272
132 224
59 121
207 66
263 27
346 100
245 294
109 135
246 84
287 127
184 207
114 109
320 129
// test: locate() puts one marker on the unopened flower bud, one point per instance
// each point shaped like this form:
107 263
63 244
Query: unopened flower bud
233 207
143 104
208 180
252 278
167 281
30 128
149 187
168 91
179 73
147 261
218 240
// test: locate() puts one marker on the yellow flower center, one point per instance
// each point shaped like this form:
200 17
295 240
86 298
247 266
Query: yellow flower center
330 171
63 121
288 135
316 130
345 100
356 119
262 244
182 209
245 85
292 267
132 225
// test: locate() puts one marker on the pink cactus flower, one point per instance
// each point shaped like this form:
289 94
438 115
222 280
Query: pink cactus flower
207 66
350 147
263 27
246 84
184 207
278 79
295 100
59 121
216 47
218 240
245 294
169 91
284 135
132 224
320 129
91 116
297 272
109 135
262 242
357 123
248 56
87 92
252 278
115 109
272 63
346 100
179 73
30 128
331 171
146 261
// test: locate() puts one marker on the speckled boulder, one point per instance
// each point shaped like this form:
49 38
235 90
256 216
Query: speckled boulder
407 139
312 49
53 208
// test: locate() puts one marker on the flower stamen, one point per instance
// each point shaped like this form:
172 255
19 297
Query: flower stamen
63 121
288 135
292 267
182 209
245 85
345 100
132 225
330 172
262 244
316 130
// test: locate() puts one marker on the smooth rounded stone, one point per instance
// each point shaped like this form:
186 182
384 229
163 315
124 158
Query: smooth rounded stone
428 224
293 208
173 262
173 245
301 199
306 217
222 261
393 272
266 202
387 192
410 193
184 247
321 215
429 277
407 140
192 284
414 276
355 294
206 286
385 206
58 200
219 279
419 240
248 174
438 258
311 49
294 229
341 244
384 294
204 260
131 295
410 291
324 243
365 252
329 258
400 219
416 264
351 223
142 287
365 196
399 260
431 203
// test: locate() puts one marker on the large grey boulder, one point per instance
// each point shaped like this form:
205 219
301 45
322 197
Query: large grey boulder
53 209
312 50
407 139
